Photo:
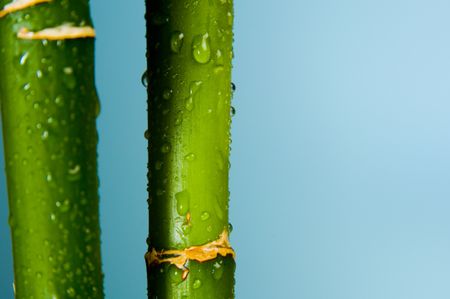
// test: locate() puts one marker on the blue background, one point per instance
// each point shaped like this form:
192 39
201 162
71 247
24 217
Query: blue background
341 150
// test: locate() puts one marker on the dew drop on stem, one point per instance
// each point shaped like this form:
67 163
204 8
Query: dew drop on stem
217 271
197 284
182 198
201 49
204 216
144 79
233 111
176 41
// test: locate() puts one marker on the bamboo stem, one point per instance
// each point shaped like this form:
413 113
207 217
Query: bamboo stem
189 88
49 107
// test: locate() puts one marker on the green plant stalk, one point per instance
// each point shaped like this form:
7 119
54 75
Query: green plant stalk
189 54
49 107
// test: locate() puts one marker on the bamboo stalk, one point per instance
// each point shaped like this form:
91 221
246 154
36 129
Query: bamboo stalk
189 53
49 107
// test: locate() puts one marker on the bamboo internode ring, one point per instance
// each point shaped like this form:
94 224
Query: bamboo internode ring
65 31
17 5
202 253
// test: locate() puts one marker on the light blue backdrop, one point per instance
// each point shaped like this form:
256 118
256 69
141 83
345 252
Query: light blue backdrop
340 176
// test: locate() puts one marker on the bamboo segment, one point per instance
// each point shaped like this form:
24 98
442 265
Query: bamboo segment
189 53
49 107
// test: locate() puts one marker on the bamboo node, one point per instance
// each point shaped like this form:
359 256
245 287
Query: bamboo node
65 31
202 253
17 5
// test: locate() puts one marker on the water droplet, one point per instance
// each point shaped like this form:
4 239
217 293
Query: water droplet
230 227
68 70
165 148
58 101
193 89
209 228
218 69
146 134
167 94
175 274
63 206
219 58
217 271
204 216
74 173
144 79
230 18
176 41
201 49
24 58
232 111
39 74
233 87
49 177
220 161
38 275
197 284
189 104
71 292
69 78
190 157
182 198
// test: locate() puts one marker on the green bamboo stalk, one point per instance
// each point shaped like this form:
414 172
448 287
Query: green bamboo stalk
189 53
49 107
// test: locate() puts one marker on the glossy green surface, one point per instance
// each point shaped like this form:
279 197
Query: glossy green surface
189 84
49 107
209 280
